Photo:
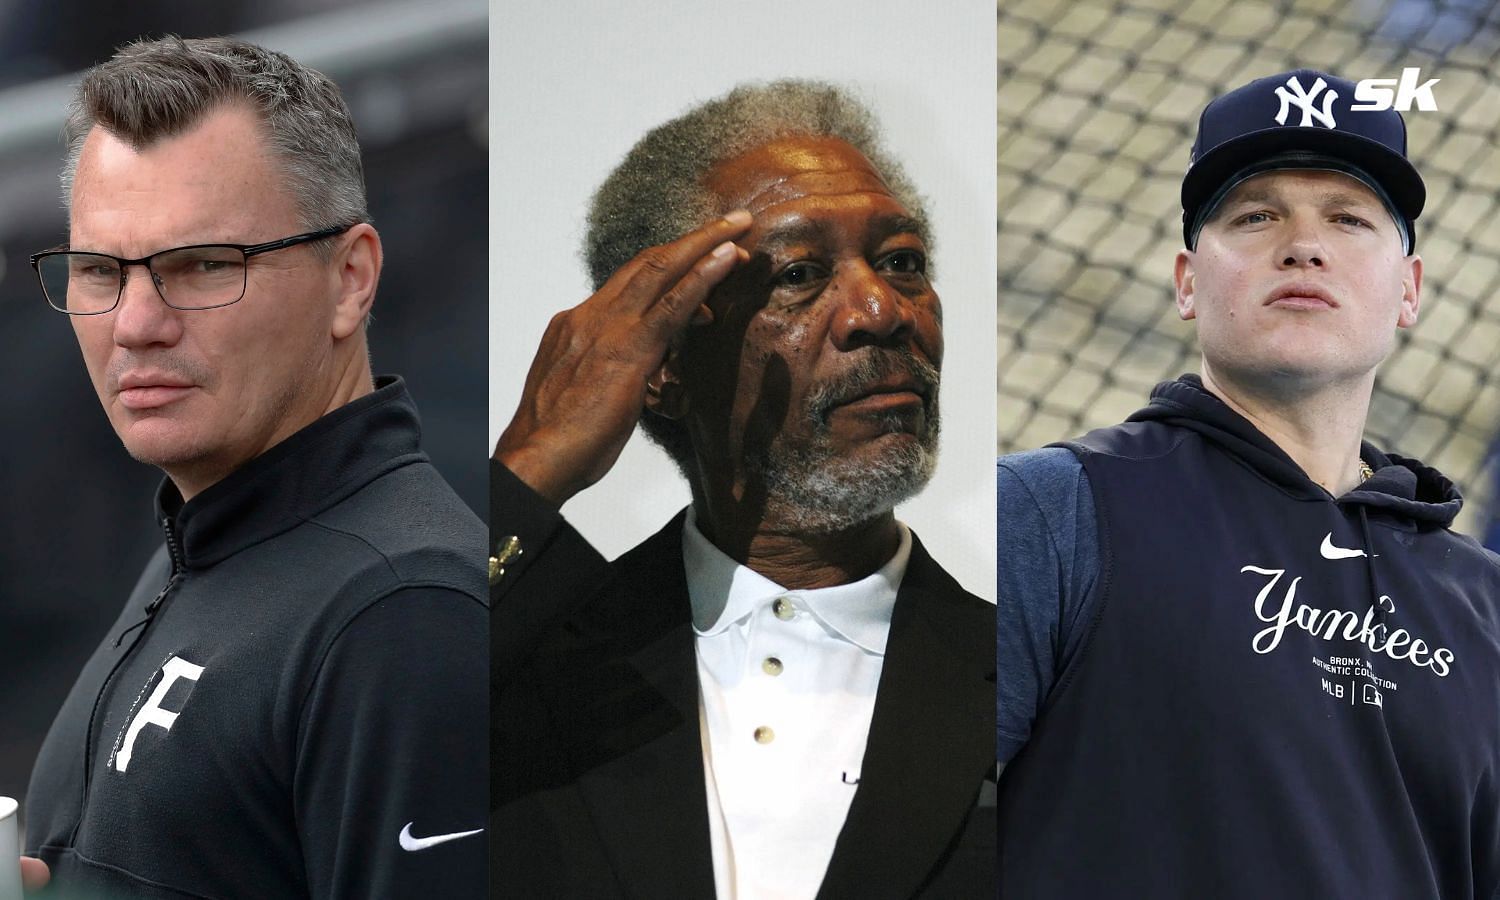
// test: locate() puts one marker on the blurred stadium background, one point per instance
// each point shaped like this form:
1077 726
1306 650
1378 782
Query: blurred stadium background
1099 101
76 525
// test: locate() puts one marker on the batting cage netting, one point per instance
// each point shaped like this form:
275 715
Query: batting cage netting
1098 104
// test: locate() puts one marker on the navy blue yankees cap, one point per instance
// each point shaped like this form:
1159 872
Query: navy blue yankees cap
1299 120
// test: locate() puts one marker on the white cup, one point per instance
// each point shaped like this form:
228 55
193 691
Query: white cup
10 851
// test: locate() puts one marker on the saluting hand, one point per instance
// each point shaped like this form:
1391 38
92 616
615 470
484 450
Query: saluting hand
587 384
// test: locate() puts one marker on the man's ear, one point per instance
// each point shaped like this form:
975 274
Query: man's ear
1411 292
665 394
1183 280
357 261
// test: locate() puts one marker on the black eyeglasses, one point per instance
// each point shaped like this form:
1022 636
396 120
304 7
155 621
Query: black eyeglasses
202 276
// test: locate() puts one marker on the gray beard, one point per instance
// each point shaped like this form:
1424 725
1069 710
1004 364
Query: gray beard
818 492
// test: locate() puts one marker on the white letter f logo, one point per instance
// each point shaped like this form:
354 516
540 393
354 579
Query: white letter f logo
152 713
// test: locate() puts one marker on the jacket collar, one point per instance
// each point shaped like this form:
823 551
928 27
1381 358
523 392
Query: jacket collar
295 480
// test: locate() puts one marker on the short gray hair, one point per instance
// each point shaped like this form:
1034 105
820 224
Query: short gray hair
153 90
658 192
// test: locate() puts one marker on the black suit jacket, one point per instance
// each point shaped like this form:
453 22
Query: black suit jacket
597 762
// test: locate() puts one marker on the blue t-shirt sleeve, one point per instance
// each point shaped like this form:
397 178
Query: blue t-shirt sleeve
1048 564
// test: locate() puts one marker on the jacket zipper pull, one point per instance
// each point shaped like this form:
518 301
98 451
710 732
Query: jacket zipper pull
160 596
151 608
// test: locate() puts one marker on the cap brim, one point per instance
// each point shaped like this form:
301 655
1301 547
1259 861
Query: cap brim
1396 175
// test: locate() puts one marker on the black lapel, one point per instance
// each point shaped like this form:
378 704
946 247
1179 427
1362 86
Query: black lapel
932 739
644 787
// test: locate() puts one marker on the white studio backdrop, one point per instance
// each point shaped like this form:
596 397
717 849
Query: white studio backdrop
573 85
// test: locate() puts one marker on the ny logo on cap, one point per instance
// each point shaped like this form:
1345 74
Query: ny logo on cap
1304 100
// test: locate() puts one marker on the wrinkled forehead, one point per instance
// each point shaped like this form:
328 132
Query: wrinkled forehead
794 168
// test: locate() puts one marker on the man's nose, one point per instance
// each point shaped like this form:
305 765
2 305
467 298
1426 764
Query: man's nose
870 310
142 318
1303 246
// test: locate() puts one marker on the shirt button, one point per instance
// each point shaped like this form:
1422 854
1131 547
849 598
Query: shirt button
764 735
771 666
783 608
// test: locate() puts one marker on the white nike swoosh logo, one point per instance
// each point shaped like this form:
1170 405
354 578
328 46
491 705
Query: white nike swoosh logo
1329 551
415 843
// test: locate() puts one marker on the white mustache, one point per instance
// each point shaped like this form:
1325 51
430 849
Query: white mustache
877 366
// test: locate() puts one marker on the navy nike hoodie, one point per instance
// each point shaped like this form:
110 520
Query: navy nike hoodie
1283 693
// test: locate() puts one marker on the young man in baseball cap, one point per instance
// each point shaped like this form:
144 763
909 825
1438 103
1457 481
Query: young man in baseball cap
1242 654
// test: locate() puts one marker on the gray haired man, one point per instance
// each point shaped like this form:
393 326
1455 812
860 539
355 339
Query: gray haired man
780 694
291 702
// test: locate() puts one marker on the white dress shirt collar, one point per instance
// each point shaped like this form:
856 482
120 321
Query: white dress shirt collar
724 592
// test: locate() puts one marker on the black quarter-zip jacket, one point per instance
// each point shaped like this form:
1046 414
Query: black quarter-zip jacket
1282 693
293 702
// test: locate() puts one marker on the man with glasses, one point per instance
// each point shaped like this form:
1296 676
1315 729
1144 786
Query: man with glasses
292 702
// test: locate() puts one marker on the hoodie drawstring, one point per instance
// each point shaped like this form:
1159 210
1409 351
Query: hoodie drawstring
1380 600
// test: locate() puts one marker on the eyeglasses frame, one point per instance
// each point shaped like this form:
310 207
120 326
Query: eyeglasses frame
248 250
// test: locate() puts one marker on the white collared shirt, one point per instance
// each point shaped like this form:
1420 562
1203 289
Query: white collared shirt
787 682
